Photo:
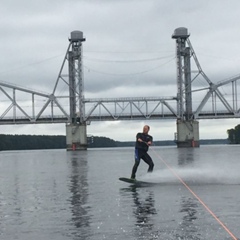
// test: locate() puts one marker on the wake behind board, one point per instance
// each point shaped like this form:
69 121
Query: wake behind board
136 182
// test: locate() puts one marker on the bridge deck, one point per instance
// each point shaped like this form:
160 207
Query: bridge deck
64 119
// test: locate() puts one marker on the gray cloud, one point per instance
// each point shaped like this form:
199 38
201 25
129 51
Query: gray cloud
34 40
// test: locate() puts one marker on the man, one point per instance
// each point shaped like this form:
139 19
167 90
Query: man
143 141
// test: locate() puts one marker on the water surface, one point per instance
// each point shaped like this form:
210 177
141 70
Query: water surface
54 194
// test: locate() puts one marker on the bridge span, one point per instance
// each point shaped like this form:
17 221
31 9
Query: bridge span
72 108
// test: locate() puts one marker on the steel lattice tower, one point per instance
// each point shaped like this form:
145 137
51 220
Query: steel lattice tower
187 127
184 95
76 87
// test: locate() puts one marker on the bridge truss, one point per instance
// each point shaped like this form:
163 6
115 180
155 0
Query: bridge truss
20 105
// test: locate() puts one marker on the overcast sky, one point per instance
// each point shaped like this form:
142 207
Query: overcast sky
128 52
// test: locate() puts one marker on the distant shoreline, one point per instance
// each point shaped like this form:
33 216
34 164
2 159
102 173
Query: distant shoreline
30 142
172 142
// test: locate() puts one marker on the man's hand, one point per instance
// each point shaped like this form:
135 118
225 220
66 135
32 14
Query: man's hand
148 143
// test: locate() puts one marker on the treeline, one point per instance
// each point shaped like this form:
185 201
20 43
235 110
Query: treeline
234 135
173 143
27 142
98 142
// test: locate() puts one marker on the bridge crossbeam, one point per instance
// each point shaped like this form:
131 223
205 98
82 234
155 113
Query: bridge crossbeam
41 120
129 108
36 107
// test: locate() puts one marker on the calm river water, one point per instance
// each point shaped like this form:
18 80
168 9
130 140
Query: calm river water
54 194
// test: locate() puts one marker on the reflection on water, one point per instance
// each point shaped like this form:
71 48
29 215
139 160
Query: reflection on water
79 197
188 227
143 211
185 156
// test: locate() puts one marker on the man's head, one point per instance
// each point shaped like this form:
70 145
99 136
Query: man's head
146 129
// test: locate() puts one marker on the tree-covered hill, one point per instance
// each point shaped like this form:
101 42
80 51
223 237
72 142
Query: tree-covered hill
29 142
24 142
234 135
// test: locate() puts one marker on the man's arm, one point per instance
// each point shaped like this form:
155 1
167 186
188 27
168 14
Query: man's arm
139 138
150 141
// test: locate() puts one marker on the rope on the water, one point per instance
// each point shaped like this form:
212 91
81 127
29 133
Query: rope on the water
196 196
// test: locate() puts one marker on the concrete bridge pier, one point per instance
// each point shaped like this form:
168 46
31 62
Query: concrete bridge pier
76 136
187 133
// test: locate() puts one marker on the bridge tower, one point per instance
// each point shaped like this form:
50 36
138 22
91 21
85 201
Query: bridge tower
76 130
187 127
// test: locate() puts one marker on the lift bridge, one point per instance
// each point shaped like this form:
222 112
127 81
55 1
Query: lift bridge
19 105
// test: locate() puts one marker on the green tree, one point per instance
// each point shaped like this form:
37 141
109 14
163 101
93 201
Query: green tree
237 134
231 135
234 135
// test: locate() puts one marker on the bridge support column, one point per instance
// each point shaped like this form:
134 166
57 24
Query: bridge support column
76 136
187 134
